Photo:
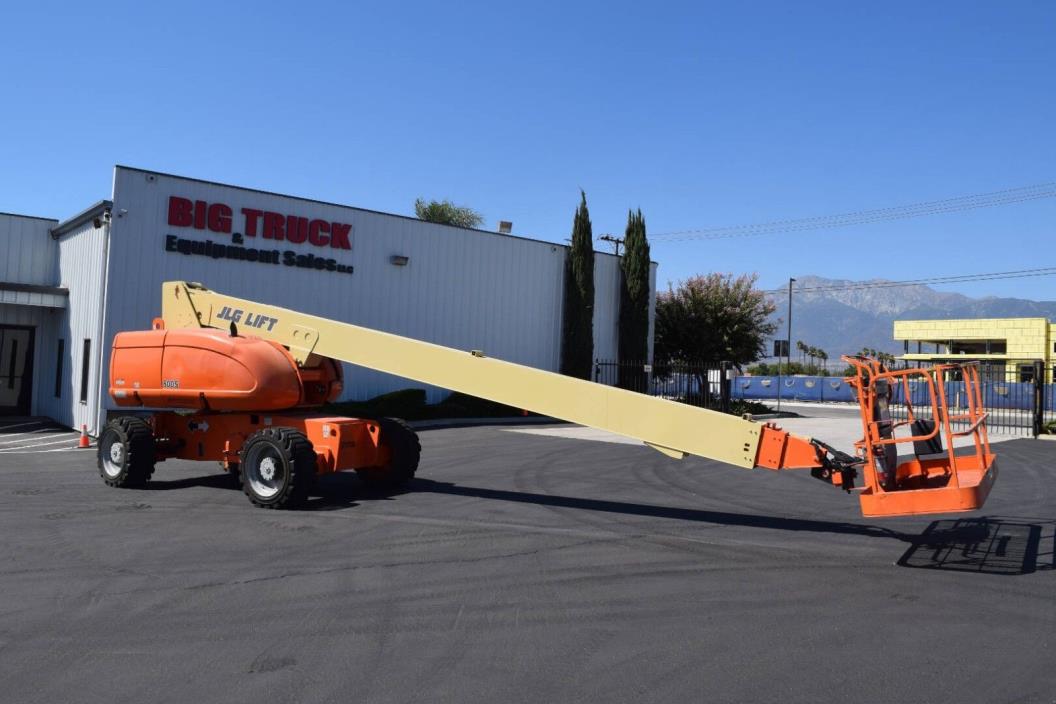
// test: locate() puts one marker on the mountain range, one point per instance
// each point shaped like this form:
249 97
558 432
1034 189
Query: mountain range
843 320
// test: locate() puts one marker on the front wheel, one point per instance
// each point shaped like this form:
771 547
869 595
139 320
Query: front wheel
278 467
126 452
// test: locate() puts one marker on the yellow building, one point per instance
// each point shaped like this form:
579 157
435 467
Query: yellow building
1008 347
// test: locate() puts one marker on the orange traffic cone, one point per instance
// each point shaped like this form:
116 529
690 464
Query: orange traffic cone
85 442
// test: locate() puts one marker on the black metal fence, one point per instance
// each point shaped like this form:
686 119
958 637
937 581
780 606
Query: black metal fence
1018 398
698 385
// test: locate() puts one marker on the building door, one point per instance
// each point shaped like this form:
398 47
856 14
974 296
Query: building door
16 370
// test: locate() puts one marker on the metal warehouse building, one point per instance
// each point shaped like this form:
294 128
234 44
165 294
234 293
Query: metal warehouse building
67 287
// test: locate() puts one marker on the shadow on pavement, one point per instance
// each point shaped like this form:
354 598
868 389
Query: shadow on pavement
654 511
984 545
331 493
211 481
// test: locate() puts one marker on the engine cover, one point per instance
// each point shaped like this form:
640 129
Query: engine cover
202 370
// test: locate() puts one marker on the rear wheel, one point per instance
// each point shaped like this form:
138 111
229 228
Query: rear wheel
126 452
404 453
278 467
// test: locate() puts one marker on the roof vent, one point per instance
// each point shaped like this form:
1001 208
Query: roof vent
505 227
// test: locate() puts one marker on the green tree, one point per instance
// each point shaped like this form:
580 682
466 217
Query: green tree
447 213
577 338
885 358
713 318
634 302
812 353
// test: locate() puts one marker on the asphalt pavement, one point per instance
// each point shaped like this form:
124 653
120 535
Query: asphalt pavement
521 568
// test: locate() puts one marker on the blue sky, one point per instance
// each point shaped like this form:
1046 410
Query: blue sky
702 114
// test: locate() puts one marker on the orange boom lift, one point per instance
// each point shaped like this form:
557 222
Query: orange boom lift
225 379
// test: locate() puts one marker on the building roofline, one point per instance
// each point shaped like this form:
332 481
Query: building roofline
344 205
909 321
89 213
28 217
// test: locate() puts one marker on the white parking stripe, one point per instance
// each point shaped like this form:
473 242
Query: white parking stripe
42 431
39 444
19 425
38 452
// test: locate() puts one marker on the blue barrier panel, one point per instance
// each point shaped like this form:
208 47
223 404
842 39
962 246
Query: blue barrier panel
801 388
794 388
1011 395
835 388
996 395
755 387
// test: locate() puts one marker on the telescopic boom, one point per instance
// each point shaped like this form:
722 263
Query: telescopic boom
675 429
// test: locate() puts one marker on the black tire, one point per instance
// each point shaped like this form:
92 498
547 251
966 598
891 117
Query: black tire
405 451
278 467
125 455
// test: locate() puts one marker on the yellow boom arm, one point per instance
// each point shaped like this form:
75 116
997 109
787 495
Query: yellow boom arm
673 428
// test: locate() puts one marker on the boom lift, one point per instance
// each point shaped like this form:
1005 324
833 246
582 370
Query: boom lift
241 383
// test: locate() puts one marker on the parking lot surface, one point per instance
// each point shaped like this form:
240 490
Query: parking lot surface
521 568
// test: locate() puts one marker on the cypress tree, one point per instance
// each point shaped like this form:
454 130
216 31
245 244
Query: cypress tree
634 302
577 334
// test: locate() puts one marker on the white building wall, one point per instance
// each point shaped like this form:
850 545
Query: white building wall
606 306
41 320
462 288
28 252
80 266
28 257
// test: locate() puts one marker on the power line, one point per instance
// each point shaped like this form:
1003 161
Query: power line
860 217
959 278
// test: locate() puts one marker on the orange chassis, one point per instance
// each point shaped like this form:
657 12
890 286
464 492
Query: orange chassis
340 443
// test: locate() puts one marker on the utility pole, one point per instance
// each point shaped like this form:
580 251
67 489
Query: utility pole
616 242
790 282
788 349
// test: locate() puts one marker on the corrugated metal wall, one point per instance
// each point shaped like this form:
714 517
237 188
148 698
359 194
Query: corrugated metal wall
80 264
28 251
461 288
607 307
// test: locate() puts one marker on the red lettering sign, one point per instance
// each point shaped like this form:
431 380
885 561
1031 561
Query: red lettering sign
251 220
181 212
218 217
339 236
199 215
316 230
